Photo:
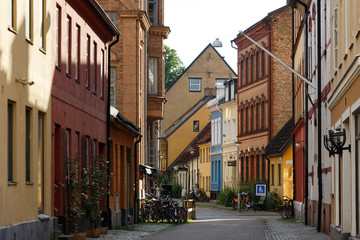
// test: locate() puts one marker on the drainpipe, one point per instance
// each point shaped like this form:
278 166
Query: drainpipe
319 124
267 21
108 130
306 140
136 180
293 102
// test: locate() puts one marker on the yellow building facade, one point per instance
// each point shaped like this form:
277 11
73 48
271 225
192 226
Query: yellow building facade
205 167
26 72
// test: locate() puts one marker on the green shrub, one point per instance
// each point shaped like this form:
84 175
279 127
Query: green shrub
176 190
272 202
226 196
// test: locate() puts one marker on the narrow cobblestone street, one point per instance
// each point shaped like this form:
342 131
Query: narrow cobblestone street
216 222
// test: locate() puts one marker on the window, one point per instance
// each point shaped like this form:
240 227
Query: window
247 120
113 86
77 137
94 67
112 16
263 115
215 132
212 132
242 169
357 161
153 75
40 162
153 12
242 73
233 129
196 126
247 169
11 108
279 169
221 80
263 64
257 116
195 84
28 145
68 45
102 74
272 174
42 7
263 167
242 121
12 13
335 25
232 90
219 131
28 19
252 118
252 68
257 167
58 36
77 53
247 70
257 65
67 143
87 68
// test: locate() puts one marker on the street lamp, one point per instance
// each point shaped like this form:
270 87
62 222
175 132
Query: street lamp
238 173
335 142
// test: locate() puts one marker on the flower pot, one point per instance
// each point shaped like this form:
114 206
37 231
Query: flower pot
93 233
79 236
103 230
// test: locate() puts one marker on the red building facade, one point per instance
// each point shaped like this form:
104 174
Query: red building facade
264 91
82 36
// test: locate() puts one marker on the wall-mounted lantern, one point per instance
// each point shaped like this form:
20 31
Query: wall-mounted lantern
335 142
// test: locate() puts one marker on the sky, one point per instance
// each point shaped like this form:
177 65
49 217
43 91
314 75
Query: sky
196 23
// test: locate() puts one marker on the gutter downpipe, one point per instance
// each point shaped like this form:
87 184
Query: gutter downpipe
319 112
136 200
108 150
269 73
293 102
306 140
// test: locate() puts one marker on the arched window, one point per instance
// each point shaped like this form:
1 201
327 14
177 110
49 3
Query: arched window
242 73
252 118
263 64
247 120
252 68
257 65
257 117
247 70
242 121
263 115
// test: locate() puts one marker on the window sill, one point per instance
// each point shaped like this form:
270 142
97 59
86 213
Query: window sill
68 75
29 183
12 30
42 50
58 68
11 183
77 80
29 41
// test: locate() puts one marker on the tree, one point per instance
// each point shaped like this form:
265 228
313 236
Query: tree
173 66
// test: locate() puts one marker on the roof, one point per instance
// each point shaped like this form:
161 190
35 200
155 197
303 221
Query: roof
123 121
279 144
186 116
208 46
105 17
185 155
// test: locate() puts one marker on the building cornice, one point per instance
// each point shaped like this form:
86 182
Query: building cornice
162 31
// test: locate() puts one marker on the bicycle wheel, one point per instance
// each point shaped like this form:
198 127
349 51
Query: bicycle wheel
284 212
183 215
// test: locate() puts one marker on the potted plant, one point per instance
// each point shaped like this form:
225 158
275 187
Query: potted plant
94 189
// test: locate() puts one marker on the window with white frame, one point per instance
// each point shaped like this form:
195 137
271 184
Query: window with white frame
219 131
212 132
225 127
68 41
58 35
233 129
215 132
228 130
28 19
42 23
195 84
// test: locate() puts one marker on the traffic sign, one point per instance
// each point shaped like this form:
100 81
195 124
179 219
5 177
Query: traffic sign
260 189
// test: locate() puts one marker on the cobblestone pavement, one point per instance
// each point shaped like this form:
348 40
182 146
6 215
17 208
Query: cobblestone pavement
217 222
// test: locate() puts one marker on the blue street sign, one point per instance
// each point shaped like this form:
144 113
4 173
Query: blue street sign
260 189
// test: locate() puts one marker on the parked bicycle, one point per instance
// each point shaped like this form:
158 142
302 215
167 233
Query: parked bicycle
162 209
286 209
